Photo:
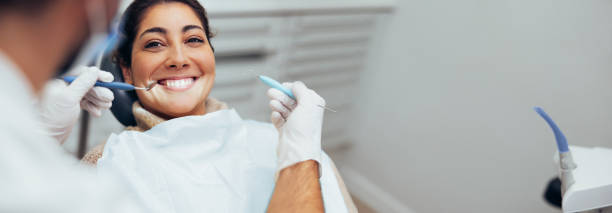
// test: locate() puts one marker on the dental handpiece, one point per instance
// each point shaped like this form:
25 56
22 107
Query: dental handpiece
566 161
276 85
113 85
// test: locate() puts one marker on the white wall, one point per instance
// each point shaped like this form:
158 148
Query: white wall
446 121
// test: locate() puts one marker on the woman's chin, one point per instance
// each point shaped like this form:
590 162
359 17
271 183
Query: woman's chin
177 109
177 104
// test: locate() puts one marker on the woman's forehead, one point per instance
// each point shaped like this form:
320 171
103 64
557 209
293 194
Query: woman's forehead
172 17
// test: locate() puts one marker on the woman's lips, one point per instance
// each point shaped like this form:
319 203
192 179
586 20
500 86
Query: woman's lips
177 84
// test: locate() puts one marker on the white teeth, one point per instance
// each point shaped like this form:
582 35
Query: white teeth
179 84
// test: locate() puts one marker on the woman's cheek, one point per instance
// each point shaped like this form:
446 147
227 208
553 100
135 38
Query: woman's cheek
146 67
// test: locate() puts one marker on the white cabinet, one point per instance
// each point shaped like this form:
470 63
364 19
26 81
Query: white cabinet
245 47
326 51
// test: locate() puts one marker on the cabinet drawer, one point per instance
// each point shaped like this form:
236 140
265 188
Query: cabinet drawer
308 38
230 73
338 65
316 55
336 21
244 35
236 27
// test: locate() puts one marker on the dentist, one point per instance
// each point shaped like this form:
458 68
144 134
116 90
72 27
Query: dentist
38 38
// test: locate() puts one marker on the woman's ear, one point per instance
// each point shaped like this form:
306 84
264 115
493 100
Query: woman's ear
127 75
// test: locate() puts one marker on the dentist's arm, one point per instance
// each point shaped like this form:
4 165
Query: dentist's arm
61 103
298 189
299 125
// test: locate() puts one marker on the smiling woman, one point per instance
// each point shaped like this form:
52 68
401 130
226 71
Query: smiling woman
217 156
173 51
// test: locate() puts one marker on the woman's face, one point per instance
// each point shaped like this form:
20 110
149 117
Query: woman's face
171 48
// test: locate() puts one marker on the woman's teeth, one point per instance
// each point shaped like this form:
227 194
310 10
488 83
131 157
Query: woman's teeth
179 83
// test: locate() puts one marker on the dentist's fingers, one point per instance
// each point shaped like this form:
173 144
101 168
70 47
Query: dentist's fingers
304 94
91 108
86 80
95 107
104 76
276 106
291 102
277 119
288 85
102 105
83 83
100 94
283 98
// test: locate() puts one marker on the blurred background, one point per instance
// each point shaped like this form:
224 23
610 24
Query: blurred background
434 98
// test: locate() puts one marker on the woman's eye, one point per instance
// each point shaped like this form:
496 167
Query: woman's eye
191 40
153 44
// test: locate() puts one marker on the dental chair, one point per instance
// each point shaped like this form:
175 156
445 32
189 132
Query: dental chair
122 104
552 193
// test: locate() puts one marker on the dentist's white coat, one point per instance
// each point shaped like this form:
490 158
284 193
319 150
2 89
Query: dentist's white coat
36 174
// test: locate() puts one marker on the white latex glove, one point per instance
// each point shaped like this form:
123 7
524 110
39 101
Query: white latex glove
298 122
62 103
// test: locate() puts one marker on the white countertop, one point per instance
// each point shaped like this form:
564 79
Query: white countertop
233 8
284 7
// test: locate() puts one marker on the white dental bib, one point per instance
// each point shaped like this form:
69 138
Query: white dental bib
211 163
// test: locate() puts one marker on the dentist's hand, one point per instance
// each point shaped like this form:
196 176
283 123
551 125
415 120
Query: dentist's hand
61 103
298 122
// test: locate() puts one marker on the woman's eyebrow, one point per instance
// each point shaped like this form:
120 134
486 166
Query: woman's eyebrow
190 27
154 30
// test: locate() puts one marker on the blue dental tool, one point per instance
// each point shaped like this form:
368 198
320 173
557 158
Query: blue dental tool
112 85
274 84
566 161
561 141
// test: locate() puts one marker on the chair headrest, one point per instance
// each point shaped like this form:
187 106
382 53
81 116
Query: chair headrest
122 104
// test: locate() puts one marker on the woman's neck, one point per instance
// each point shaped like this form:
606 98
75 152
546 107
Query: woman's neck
200 109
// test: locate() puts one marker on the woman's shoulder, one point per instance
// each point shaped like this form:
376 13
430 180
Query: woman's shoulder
92 156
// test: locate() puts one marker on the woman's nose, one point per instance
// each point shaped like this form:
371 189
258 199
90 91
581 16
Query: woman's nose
176 59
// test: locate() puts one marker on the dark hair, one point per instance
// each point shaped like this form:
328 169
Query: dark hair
24 5
131 21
